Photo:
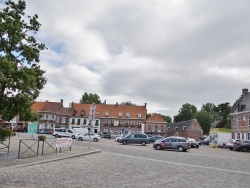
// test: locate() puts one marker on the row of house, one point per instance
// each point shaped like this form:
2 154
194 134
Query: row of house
109 118
116 118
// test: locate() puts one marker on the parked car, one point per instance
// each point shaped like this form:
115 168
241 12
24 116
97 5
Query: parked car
119 137
93 137
206 141
41 131
135 139
62 132
242 145
193 143
230 143
154 138
179 143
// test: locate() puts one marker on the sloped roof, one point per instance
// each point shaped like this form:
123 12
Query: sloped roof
37 106
181 124
133 110
242 104
46 106
66 110
155 118
86 108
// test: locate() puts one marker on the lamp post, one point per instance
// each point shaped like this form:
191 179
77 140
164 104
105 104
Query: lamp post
91 118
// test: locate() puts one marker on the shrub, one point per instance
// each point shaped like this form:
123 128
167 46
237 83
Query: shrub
4 133
41 138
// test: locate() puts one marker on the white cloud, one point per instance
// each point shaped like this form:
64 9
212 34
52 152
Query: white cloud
164 53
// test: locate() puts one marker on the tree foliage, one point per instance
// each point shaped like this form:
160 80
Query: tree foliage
205 120
21 78
90 98
127 103
187 112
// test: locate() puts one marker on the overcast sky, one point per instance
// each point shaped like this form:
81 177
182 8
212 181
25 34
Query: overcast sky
164 52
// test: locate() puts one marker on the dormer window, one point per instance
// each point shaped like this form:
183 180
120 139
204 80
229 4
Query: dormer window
127 115
120 114
139 115
184 128
74 112
106 114
82 112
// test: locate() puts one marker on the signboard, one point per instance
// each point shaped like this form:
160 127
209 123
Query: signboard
32 128
63 142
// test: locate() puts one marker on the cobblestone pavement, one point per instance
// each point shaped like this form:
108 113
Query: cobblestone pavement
136 166
29 147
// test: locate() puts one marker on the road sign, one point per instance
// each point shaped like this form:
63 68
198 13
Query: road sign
32 128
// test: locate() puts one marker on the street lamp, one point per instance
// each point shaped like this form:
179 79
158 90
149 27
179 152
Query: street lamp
91 118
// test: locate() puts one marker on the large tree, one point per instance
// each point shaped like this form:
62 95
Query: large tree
90 98
21 78
205 120
187 112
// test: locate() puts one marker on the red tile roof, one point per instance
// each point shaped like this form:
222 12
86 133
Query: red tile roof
112 109
156 118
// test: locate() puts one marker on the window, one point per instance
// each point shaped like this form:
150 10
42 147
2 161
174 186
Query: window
248 136
57 119
139 115
132 122
63 120
184 128
162 128
73 121
82 112
239 121
139 123
176 128
126 122
238 136
248 121
120 114
46 117
106 114
120 122
96 122
85 121
78 121
127 115
149 127
111 122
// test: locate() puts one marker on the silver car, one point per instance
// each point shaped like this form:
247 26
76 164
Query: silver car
179 143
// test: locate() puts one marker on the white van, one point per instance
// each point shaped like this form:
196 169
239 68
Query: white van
62 132
80 130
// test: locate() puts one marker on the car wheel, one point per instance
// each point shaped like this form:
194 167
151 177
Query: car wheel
73 137
158 147
117 140
244 149
124 142
143 143
95 139
80 138
180 148
197 147
56 136
231 148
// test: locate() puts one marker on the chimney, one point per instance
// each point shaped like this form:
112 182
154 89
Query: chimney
116 103
244 92
145 104
61 101
104 102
